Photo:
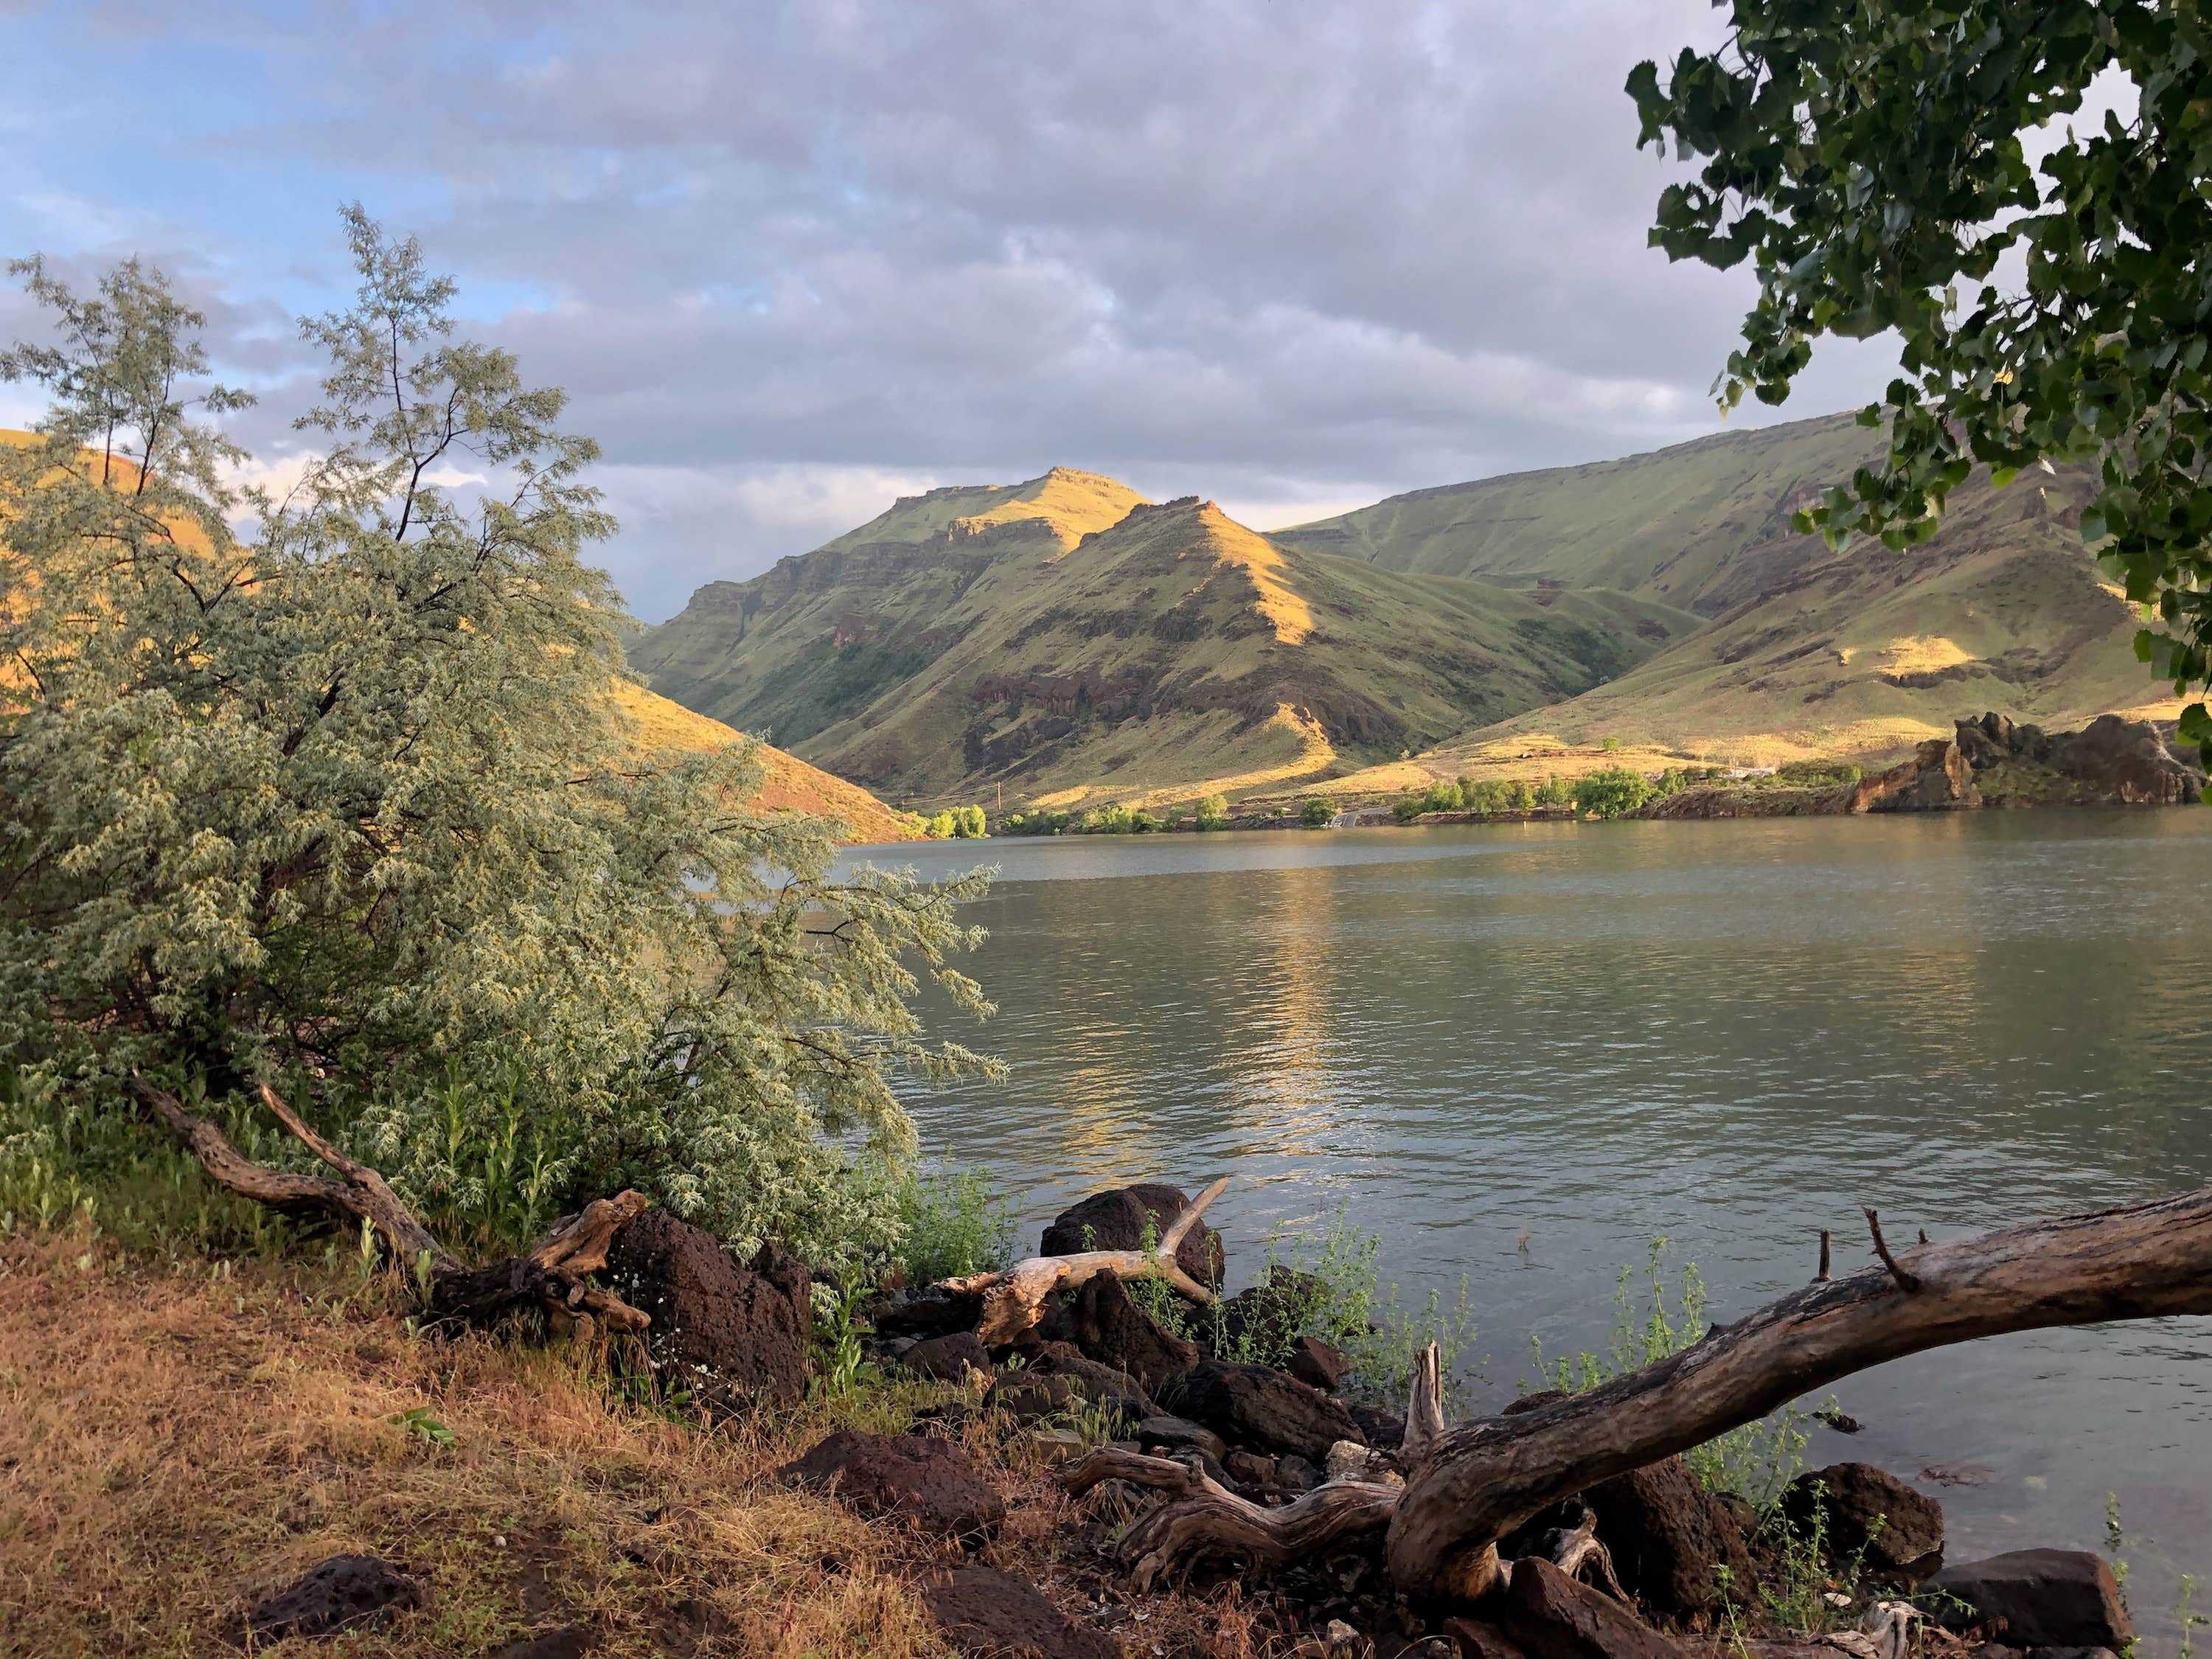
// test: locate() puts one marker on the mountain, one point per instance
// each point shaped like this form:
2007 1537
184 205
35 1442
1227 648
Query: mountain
1068 642
1807 651
788 781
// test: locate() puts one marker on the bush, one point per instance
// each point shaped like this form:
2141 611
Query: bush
1553 791
1520 796
1040 821
1817 774
1213 812
950 1223
356 807
1611 790
1318 811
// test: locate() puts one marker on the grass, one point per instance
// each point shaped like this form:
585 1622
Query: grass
180 1444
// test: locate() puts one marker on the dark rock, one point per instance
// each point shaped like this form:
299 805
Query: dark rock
1058 1378
1172 1432
1252 1403
347 1592
1841 1421
2044 1598
1296 1472
570 1643
1106 1325
928 1312
922 1480
733 1337
1548 1615
1255 1472
1313 1361
949 1357
1117 1219
981 1610
1870 1515
1477 1639
1385 1431
2121 761
1263 1319
1669 1538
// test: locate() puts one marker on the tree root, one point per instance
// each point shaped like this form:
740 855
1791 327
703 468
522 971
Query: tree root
549 1275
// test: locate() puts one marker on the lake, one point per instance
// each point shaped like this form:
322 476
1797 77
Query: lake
1519 1053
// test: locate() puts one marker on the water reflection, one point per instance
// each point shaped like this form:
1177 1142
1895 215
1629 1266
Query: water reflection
1730 1034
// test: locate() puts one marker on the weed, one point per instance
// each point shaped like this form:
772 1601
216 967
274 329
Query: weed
950 1223
1755 1462
416 1421
841 1366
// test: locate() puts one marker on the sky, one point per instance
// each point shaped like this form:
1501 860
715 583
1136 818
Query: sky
792 261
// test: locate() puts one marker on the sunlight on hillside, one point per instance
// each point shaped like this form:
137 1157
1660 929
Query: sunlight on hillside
1289 615
1922 653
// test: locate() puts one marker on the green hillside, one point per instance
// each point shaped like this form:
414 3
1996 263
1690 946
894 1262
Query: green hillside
1065 642
1807 651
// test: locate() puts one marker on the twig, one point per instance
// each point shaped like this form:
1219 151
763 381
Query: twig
1905 1281
1823 1273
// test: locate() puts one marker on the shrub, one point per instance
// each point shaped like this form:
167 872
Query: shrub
950 1223
1817 774
1611 790
1213 812
1519 795
1318 811
1553 791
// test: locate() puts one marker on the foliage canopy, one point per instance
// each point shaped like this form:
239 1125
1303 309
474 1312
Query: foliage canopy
349 799
1874 159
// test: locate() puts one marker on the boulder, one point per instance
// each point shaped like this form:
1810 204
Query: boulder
1105 1323
981 1610
2044 1598
1313 1361
925 1481
1869 1514
1170 1433
928 1312
1117 1219
1263 1319
1669 1538
948 1359
1548 1615
1260 1407
1058 1378
347 1592
1385 1431
734 1337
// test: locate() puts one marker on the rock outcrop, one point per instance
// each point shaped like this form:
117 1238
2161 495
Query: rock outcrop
732 1337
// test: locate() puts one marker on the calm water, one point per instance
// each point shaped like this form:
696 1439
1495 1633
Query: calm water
1730 1034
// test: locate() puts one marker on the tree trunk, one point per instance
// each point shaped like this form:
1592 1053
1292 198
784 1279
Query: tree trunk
549 1275
1470 1486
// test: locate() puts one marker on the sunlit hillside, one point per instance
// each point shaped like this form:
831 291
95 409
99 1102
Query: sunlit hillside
977 642
1808 651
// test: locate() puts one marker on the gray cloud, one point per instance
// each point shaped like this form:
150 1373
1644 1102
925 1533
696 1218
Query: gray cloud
791 259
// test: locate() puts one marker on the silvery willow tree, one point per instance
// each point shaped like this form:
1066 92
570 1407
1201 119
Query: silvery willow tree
340 817
1872 159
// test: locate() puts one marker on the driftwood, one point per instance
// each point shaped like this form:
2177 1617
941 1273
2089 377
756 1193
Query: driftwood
1014 1298
1468 1487
550 1275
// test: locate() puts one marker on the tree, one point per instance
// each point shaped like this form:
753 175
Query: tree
1611 790
1872 160
1213 812
354 804
1318 811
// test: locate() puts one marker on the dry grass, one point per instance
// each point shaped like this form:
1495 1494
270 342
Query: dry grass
172 1447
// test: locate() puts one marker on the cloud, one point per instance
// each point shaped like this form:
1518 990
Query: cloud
793 260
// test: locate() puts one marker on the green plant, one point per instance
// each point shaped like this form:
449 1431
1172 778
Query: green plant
840 1363
1611 790
1806 1589
1318 811
1213 812
1553 791
950 1224
418 1422
1873 161
1755 1462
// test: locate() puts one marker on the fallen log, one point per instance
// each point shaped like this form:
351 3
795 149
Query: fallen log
1013 1297
1468 1487
549 1275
